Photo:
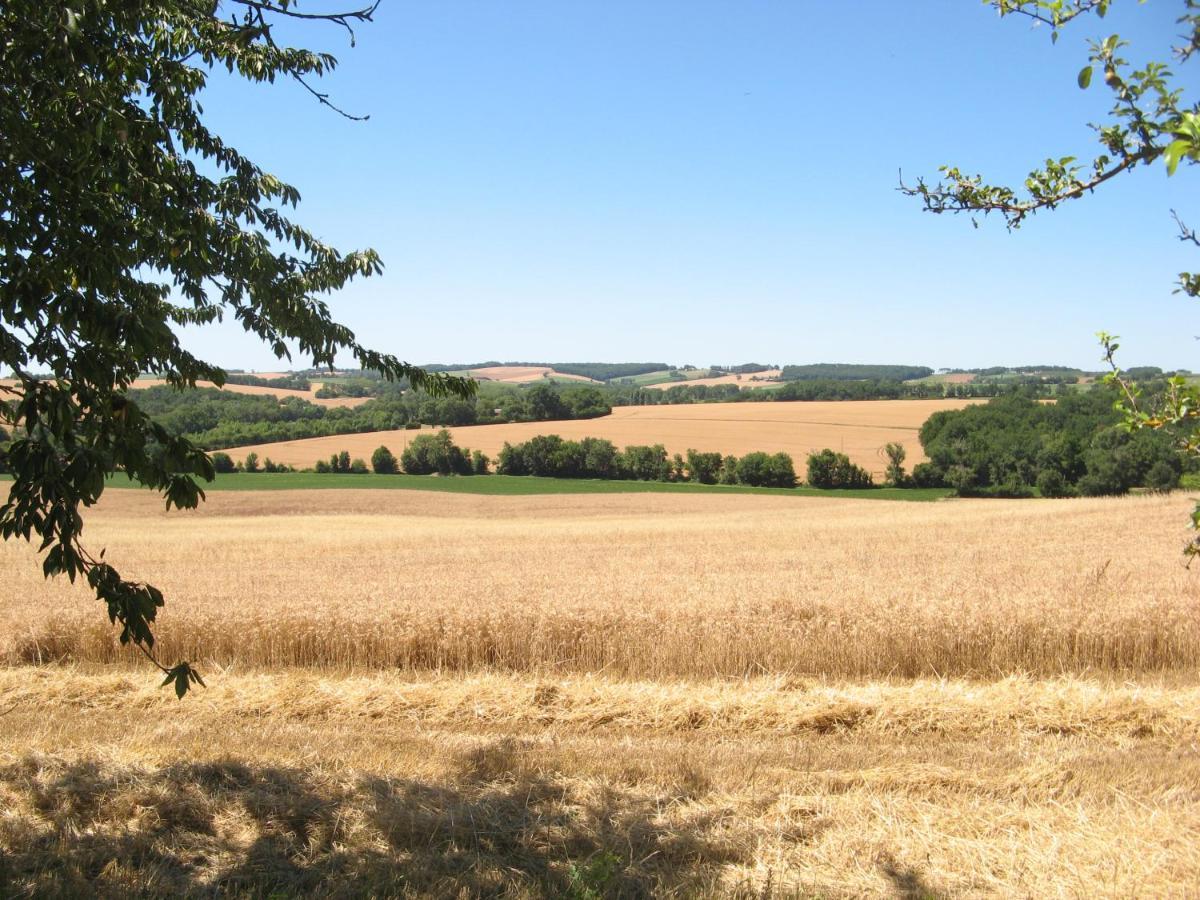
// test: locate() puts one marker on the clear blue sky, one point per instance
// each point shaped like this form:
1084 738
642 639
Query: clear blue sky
709 182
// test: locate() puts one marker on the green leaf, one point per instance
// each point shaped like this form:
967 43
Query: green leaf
1175 151
1085 77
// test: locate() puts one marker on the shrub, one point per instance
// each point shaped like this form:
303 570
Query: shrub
645 463
358 467
829 469
322 467
763 470
479 462
601 459
729 470
704 468
1013 487
251 462
383 461
895 476
927 475
1051 483
961 478
223 463
429 453
1162 477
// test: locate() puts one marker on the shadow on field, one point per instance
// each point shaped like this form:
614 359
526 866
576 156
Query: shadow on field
906 882
202 829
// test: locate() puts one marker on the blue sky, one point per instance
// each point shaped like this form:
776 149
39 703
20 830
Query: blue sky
712 182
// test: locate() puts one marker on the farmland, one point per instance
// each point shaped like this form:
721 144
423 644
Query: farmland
413 693
859 429
253 390
766 378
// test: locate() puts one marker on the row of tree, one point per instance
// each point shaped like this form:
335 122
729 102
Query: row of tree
217 419
852 372
811 390
551 456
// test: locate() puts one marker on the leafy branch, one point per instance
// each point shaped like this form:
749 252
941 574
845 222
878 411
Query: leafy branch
122 217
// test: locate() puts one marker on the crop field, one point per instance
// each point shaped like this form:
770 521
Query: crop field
860 429
766 378
418 694
262 391
523 374
254 389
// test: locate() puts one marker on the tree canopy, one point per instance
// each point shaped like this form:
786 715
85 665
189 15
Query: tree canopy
123 218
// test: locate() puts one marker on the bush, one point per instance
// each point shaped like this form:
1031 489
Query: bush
601 459
704 468
762 470
961 478
729 470
895 476
1014 488
829 469
429 453
251 462
1051 483
644 463
223 463
1162 477
383 461
927 475
358 467
322 467
480 462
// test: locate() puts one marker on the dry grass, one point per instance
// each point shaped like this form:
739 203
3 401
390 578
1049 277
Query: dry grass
418 695
375 785
646 586
860 429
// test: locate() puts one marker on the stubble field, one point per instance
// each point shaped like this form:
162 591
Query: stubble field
860 429
429 695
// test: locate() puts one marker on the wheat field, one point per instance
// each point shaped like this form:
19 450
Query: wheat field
419 695
858 428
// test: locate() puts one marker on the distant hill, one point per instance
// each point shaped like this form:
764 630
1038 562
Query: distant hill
593 370
853 372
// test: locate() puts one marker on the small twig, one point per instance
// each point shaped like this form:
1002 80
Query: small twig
343 18
325 101
1187 235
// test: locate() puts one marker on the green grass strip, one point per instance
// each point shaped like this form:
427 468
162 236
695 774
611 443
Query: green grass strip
512 485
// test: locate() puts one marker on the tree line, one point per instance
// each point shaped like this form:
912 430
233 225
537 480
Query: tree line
218 419
808 390
852 372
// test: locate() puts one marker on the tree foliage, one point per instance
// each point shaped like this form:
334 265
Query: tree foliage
1151 122
123 218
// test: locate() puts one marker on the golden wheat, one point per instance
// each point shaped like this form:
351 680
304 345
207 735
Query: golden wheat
430 695
637 585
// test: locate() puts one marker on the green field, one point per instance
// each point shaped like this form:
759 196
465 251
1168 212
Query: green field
661 377
516 485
